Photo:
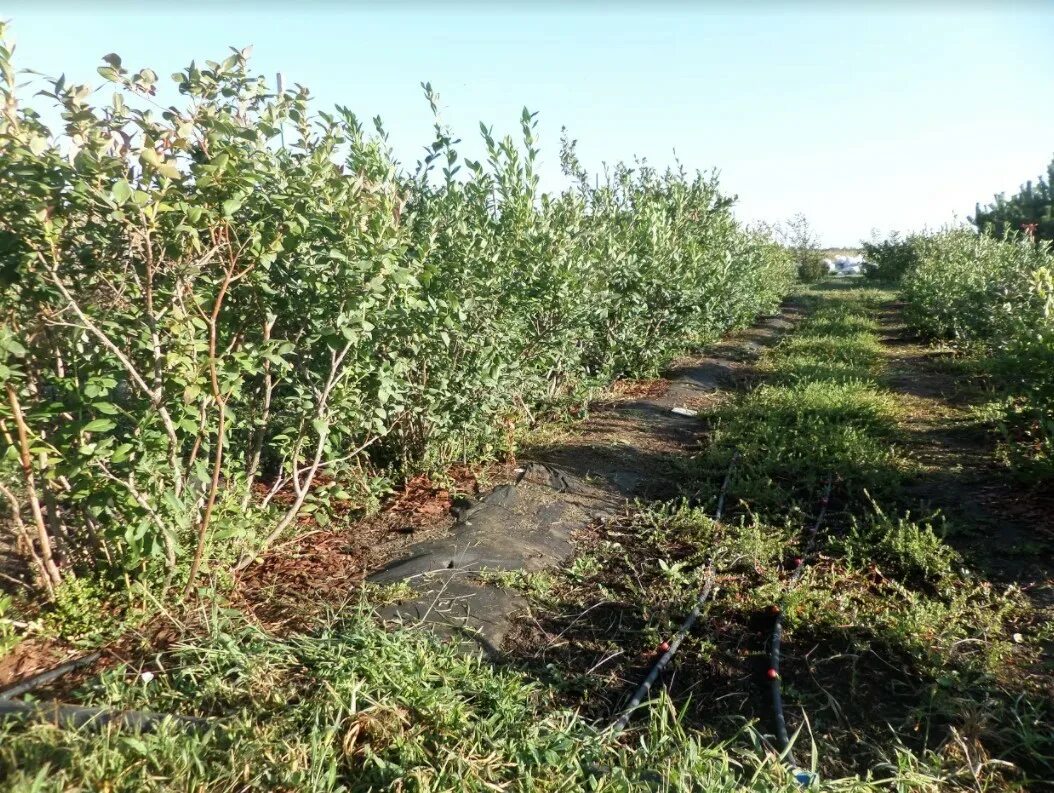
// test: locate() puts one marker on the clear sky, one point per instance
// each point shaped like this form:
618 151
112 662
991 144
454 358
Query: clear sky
884 115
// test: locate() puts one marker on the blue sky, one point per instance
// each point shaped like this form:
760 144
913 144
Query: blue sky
862 116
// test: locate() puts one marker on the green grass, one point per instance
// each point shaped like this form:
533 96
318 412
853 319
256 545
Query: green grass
790 439
353 707
819 413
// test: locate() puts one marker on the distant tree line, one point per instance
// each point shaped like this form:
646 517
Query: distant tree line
1031 210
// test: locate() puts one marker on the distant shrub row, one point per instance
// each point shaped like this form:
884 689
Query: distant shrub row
997 297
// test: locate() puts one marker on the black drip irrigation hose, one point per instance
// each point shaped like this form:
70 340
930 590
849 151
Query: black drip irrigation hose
783 743
74 716
670 648
43 678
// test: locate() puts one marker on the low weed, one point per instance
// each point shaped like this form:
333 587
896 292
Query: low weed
914 552
8 633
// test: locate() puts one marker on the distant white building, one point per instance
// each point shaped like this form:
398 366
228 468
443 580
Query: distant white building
845 265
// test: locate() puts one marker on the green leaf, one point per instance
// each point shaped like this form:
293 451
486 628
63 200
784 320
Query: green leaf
106 408
230 206
136 744
121 191
99 425
15 348
168 169
120 454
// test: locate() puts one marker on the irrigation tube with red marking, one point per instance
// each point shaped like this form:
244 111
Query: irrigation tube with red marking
664 659
670 648
804 778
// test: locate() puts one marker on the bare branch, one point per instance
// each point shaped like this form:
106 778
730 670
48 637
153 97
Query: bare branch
140 499
26 460
258 439
336 371
294 510
23 534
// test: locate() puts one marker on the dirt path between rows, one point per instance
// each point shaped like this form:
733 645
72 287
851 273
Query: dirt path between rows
1003 527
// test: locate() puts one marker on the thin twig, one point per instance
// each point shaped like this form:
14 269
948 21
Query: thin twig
52 575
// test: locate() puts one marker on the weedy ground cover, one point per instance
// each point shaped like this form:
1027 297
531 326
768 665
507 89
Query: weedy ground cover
353 707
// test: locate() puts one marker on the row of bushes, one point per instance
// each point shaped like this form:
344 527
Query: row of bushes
995 296
222 316
890 259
